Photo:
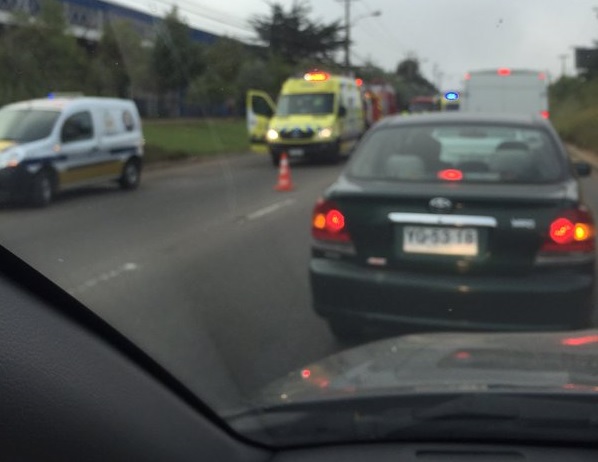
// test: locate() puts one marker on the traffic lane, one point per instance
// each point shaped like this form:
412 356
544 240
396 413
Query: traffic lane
98 231
174 273
226 310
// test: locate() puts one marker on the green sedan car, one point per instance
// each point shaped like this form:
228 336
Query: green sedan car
455 222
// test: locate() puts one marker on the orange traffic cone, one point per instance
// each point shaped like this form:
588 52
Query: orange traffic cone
284 175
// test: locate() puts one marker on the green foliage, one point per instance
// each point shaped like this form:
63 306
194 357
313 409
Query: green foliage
176 59
180 139
574 110
294 37
53 61
219 82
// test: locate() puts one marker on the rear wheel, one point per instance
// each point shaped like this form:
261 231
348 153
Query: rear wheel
131 175
42 189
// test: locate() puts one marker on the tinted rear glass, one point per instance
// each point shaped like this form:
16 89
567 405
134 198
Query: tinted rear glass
471 153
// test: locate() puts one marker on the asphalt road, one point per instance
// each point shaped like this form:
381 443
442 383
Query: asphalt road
205 267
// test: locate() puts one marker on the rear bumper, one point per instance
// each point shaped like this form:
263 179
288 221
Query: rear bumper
550 301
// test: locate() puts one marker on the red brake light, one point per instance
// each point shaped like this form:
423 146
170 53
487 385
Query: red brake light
328 223
504 71
572 232
450 174
359 82
468 76
316 76
545 114
542 76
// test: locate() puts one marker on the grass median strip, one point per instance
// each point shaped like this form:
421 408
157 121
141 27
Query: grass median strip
177 139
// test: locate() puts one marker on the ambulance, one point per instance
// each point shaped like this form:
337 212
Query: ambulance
57 143
318 116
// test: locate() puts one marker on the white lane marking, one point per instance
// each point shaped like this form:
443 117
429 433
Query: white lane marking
270 209
104 277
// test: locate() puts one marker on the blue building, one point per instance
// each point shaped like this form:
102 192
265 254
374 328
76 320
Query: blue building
87 18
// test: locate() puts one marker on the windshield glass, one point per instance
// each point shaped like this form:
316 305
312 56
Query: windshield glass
476 152
309 103
24 125
369 204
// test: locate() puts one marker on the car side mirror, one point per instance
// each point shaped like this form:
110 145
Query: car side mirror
342 111
583 169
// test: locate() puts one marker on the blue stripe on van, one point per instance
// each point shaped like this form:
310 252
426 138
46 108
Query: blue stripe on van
41 160
124 150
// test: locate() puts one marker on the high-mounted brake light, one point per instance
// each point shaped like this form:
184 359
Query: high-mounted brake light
316 76
504 71
544 114
542 76
468 76
328 223
579 341
450 174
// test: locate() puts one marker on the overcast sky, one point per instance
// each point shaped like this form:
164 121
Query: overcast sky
453 36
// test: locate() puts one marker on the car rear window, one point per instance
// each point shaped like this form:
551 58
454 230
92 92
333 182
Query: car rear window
470 153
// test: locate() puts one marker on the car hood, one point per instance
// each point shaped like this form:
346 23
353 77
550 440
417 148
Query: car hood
447 363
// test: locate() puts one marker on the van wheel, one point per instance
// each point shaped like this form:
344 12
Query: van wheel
42 189
131 175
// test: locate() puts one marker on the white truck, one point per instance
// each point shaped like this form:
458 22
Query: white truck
507 91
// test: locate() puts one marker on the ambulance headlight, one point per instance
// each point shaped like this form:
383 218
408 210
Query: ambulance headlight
325 133
11 157
272 135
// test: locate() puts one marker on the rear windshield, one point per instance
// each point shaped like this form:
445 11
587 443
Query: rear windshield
470 153
25 125
307 103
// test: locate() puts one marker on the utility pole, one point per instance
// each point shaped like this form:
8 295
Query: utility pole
347 32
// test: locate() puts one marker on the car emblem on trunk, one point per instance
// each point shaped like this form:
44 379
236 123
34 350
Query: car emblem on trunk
440 204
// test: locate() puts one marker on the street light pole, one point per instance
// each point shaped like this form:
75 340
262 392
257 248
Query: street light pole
348 26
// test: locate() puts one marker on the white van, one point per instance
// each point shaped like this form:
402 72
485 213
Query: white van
506 91
48 145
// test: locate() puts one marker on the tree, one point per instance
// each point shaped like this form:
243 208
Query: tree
176 59
53 62
120 65
219 85
291 35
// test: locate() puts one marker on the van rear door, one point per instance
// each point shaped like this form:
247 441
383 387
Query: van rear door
260 109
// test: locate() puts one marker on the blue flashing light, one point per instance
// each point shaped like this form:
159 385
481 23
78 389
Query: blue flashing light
51 95
451 96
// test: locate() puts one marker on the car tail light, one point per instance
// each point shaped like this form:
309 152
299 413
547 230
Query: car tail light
329 227
569 236
329 223
545 114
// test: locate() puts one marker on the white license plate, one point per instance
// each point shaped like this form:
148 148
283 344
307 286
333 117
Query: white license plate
440 241
296 152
